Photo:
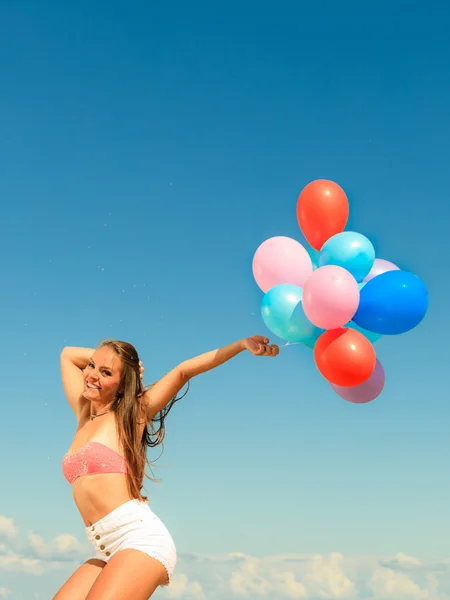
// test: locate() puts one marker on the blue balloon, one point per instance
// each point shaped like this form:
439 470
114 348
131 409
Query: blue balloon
370 335
392 303
282 312
349 250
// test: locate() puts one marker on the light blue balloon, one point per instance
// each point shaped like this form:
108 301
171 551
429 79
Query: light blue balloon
314 256
282 312
370 335
349 250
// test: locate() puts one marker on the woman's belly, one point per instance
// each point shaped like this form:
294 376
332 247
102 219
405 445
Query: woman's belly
98 495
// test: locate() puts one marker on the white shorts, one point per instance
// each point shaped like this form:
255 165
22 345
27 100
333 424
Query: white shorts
133 526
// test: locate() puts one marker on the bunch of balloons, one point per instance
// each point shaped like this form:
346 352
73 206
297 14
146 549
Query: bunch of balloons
337 298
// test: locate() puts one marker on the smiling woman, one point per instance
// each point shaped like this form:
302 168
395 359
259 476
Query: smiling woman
118 418
104 380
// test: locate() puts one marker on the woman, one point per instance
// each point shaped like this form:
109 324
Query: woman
106 463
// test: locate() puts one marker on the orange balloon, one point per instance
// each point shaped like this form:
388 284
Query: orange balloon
322 211
344 357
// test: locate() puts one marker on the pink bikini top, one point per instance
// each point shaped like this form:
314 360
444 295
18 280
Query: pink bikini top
93 458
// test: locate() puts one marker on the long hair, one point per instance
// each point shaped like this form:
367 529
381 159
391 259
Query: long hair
130 416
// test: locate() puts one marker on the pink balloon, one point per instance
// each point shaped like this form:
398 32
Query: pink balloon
365 392
281 260
380 266
330 297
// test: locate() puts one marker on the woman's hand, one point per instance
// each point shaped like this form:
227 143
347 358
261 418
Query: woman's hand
259 346
141 369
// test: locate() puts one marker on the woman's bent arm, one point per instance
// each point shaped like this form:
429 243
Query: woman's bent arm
73 360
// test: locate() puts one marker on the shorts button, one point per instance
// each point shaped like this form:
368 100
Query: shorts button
97 537
107 553
102 547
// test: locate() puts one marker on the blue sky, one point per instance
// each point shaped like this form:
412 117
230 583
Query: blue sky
147 151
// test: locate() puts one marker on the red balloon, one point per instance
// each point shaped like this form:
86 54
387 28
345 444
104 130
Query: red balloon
322 211
344 357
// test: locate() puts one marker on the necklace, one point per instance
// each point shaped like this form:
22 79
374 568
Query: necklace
100 414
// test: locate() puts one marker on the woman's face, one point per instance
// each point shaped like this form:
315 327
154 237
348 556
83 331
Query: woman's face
102 376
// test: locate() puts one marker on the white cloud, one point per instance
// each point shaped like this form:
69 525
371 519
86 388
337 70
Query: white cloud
325 577
288 586
7 529
61 548
247 580
237 575
294 576
389 584
402 562
181 588
16 563
37 556
311 577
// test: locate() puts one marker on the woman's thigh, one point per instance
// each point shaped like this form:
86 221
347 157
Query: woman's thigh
78 586
129 575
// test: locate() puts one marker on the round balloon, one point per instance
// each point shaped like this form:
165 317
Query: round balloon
314 256
344 357
370 335
365 392
281 260
322 211
392 303
380 266
349 250
282 312
330 297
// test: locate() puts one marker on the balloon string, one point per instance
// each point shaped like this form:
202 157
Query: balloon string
289 344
